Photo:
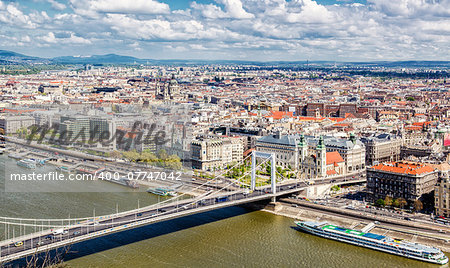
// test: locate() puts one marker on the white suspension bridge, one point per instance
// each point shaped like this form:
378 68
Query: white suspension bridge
41 236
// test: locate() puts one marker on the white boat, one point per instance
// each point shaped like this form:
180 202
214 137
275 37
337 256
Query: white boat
374 241
28 163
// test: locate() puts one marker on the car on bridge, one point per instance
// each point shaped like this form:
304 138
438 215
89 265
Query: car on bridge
40 243
221 199
18 244
76 233
60 231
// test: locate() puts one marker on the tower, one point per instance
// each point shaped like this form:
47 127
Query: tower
321 158
303 148
353 138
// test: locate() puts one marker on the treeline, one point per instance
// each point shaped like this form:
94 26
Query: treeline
161 159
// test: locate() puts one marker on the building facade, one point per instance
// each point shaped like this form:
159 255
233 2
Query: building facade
382 148
406 180
442 195
11 124
288 150
213 153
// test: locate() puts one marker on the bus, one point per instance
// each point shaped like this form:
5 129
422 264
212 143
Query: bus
221 199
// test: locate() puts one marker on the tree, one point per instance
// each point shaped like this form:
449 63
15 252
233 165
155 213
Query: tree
268 169
115 154
402 202
335 188
379 203
418 206
148 157
388 201
131 155
173 162
162 154
395 203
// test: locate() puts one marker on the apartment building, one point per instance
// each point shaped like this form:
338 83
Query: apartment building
408 180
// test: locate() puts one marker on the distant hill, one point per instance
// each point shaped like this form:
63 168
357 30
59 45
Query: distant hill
98 59
10 57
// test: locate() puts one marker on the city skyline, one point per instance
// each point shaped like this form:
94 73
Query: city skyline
230 29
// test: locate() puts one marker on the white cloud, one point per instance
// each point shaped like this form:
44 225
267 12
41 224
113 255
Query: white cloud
92 7
10 14
412 7
49 38
256 29
233 9
311 12
71 39
57 5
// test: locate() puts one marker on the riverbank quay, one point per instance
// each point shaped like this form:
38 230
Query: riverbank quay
413 232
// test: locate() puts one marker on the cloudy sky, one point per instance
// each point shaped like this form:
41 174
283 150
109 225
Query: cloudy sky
341 30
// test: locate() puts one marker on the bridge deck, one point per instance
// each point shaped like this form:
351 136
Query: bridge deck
144 216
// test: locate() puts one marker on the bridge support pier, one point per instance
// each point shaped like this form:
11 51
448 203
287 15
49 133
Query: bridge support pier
273 175
273 170
253 176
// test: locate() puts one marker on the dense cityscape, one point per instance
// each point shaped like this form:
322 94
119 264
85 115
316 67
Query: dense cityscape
366 145
224 133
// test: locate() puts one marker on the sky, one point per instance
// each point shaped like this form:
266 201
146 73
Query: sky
259 30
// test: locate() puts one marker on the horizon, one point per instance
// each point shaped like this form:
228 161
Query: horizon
236 30
231 60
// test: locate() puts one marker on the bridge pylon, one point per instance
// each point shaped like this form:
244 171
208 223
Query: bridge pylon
273 177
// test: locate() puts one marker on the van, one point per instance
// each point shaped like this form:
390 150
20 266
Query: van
59 232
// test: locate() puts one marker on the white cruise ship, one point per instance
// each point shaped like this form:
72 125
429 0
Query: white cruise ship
374 241
28 163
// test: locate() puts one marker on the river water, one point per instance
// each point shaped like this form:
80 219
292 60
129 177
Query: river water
231 237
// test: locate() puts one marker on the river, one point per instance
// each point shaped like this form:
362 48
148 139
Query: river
231 237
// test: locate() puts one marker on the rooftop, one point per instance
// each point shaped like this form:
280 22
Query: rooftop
404 168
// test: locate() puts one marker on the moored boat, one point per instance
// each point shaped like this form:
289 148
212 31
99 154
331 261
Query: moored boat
162 191
374 241
28 163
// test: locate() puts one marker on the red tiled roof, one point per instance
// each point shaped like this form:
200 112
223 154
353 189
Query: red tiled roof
331 172
280 114
404 168
334 157
349 115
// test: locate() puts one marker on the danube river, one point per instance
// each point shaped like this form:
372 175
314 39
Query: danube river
232 237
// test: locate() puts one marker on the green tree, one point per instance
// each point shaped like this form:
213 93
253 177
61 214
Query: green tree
148 157
133 156
395 203
268 169
379 203
335 188
173 162
162 154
